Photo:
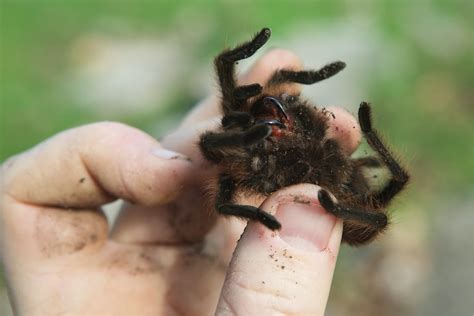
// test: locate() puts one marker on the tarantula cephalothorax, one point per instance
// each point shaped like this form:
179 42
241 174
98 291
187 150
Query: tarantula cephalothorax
271 139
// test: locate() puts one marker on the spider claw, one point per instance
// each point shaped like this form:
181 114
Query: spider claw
275 101
247 91
272 122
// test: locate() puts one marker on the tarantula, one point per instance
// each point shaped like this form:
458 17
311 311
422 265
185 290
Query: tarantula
271 138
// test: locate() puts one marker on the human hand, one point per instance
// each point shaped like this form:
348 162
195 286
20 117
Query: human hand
166 254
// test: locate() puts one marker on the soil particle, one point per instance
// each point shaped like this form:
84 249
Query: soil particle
301 200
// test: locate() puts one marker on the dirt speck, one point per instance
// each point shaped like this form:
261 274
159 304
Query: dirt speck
301 200
285 254
81 180
180 157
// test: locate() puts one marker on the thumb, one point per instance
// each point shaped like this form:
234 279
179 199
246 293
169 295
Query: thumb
285 272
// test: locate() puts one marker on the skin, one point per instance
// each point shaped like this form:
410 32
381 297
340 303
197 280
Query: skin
167 254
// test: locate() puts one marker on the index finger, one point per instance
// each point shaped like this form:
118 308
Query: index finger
91 165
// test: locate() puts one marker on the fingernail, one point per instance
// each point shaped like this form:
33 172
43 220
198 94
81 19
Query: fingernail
168 154
305 224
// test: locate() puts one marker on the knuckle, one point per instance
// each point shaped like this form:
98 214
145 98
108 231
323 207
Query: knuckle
113 133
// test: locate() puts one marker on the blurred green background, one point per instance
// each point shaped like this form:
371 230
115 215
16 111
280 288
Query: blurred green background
145 63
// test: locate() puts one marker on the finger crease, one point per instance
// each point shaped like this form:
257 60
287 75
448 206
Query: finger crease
17 200
131 197
262 291
229 306
94 180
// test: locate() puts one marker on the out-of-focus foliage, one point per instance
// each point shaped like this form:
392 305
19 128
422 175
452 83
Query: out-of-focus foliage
145 63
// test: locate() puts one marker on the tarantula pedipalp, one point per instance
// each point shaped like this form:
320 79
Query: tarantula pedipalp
271 138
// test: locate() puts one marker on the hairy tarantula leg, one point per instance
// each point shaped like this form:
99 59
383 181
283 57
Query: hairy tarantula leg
306 76
399 175
246 49
377 220
250 212
256 133
224 205
225 67
243 93
242 119
226 190
212 143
